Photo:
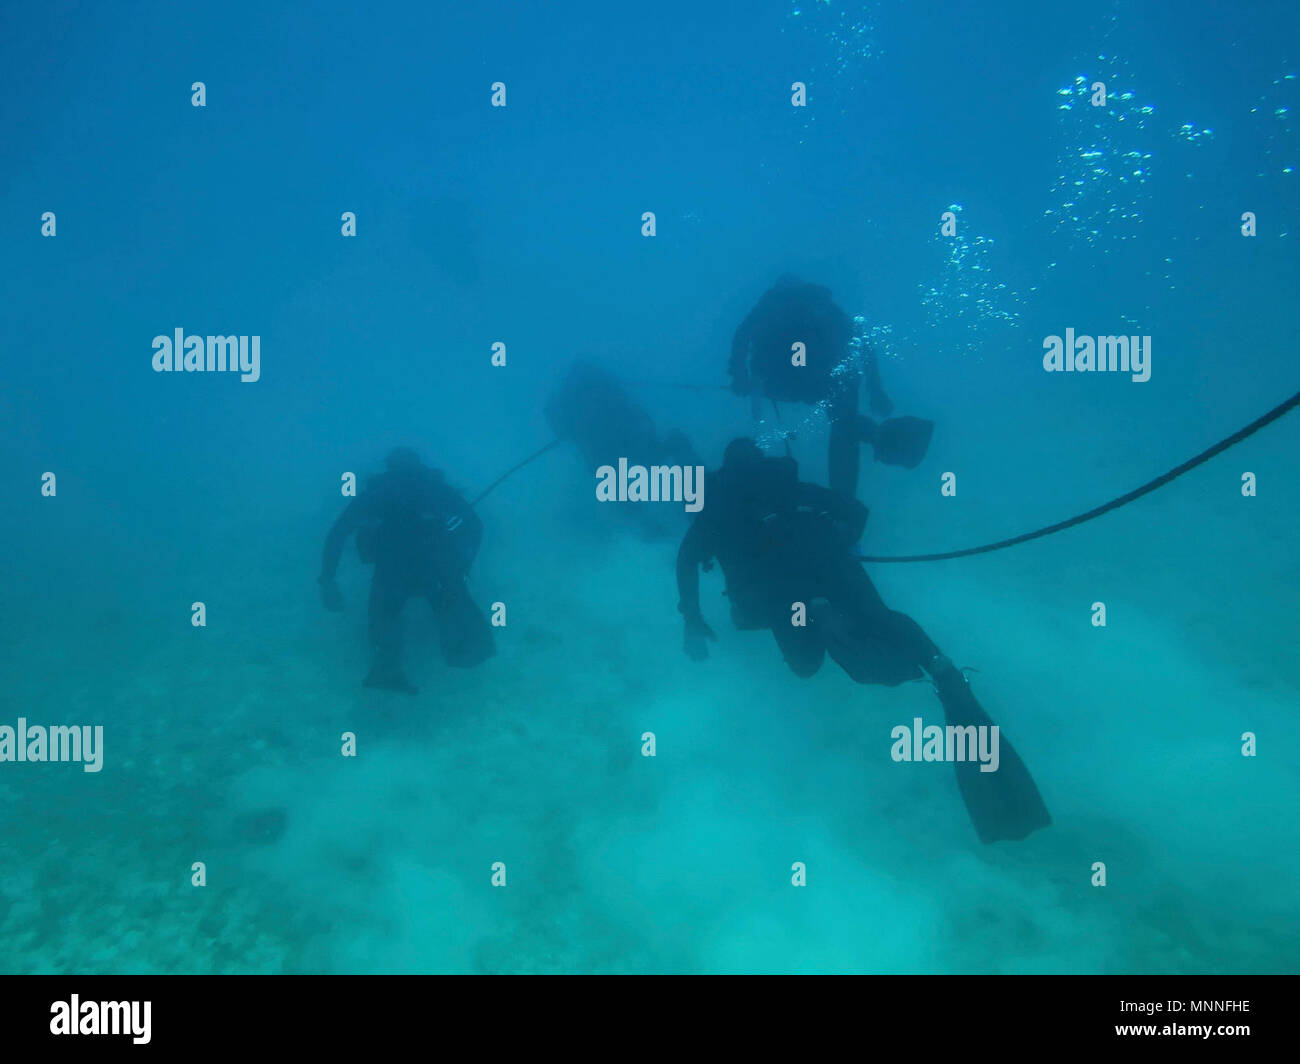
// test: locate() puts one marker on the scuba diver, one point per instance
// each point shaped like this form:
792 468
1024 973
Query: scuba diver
762 366
781 541
422 538
592 410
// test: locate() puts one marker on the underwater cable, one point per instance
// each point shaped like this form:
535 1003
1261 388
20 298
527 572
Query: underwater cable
1114 504
1060 526
513 469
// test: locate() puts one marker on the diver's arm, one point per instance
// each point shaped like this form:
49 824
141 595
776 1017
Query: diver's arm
347 523
845 329
351 517
881 404
690 556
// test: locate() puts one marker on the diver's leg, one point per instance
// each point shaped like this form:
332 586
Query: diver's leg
463 632
868 640
875 644
847 433
801 646
755 608
843 460
388 595
750 600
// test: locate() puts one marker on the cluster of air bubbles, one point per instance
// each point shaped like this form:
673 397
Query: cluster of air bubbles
1103 163
848 28
1192 133
1275 108
967 299
871 342
875 336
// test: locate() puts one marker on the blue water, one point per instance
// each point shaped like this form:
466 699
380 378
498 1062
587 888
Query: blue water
523 225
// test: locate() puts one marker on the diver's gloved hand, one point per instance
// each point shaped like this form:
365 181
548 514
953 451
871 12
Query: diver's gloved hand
330 595
696 642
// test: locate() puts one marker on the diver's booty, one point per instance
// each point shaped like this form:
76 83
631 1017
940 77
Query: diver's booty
1004 805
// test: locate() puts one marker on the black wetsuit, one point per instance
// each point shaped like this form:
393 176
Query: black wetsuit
761 353
781 541
422 537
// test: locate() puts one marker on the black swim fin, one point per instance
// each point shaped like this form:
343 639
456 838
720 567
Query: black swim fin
902 441
1004 805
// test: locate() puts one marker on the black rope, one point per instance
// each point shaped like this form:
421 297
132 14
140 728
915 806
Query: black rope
1114 504
513 469
1060 526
